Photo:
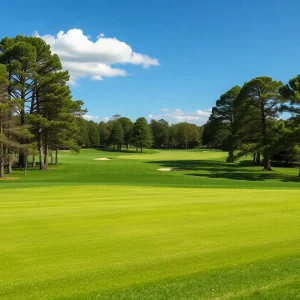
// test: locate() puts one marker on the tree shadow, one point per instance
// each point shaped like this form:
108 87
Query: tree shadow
195 165
111 150
242 170
249 176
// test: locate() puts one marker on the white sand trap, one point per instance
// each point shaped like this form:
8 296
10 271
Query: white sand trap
102 158
170 169
165 169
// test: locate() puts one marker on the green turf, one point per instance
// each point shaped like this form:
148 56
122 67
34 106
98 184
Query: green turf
120 229
202 169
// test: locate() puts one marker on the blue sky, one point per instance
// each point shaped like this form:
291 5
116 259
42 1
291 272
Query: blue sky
197 50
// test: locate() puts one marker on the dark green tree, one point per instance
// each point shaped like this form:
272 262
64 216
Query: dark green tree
103 133
93 134
141 134
160 133
127 126
259 99
116 136
225 114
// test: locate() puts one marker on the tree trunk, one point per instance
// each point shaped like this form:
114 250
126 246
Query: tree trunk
299 173
51 155
25 166
9 161
9 166
257 160
56 156
41 154
1 158
267 164
46 157
46 149
141 149
230 156
22 159
33 161
136 149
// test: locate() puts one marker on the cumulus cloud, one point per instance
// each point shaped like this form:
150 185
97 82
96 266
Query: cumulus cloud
96 119
83 57
91 118
177 115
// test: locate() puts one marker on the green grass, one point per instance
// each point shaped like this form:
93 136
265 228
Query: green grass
120 229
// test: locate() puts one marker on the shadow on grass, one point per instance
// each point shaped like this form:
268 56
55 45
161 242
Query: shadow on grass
114 151
243 170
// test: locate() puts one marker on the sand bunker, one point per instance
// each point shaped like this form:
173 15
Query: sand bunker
170 169
102 158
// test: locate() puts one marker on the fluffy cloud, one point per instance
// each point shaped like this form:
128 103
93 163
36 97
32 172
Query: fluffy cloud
198 117
91 118
93 59
95 118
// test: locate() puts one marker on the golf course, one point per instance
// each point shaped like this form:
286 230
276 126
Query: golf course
163 224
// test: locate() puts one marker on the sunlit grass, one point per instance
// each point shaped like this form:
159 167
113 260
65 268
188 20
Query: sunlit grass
120 229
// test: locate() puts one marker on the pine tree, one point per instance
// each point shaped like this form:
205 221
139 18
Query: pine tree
141 134
116 136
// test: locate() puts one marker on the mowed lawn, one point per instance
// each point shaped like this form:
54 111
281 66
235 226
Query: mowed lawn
120 229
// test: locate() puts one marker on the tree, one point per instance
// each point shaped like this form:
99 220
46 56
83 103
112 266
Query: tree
103 133
19 57
5 110
260 99
116 137
225 114
83 139
160 132
10 132
127 126
194 136
291 93
173 132
141 134
93 134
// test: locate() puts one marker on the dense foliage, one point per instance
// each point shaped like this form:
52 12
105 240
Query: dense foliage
37 112
121 131
250 119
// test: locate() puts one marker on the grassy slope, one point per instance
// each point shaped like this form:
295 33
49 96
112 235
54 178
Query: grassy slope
83 239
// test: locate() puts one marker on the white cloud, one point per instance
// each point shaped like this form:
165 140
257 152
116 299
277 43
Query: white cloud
91 118
198 117
83 57
96 119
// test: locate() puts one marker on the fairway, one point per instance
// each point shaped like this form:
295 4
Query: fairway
120 229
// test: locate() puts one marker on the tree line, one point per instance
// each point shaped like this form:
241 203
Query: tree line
261 118
37 112
122 132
